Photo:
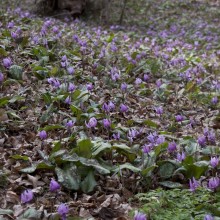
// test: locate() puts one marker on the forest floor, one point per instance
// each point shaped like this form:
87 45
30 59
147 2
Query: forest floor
124 117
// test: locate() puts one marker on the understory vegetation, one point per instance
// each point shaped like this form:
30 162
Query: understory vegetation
99 121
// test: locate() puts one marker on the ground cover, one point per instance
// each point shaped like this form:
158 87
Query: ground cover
108 120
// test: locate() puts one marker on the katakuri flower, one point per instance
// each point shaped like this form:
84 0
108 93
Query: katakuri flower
54 185
92 123
208 217
27 196
140 216
181 156
7 62
214 161
68 100
1 77
123 108
213 183
179 118
106 123
171 147
43 135
63 210
201 140
193 184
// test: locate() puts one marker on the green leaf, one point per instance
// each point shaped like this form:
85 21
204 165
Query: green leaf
89 183
166 170
94 163
20 157
84 148
32 213
126 166
29 169
100 146
16 98
47 98
69 177
6 212
3 52
170 184
151 123
15 72
52 127
4 101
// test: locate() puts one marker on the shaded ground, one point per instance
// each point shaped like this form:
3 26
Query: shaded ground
170 64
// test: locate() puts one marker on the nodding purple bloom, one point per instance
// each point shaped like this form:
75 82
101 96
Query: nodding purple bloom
147 148
71 87
108 107
213 183
10 25
1 77
211 137
193 184
70 70
27 196
140 216
138 81
171 147
208 217
179 118
116 136
106 123
181 156
215 100
159 110
68 100
201 140
158 83
69 124
214 161
55 29
63 210
35 39
14 34
64 58
152 137
54 185
89 86
146 77
124 87
7 62
43 135
92 123
160 140
123 108
132 133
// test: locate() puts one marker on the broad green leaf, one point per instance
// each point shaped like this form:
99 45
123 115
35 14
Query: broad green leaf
15 72
20 157
16 98
95 164
166 170
89 183
100 146
32 213
69 177
53 127
170 184
29 169
6 212
151 123
84 148
4 101
127 166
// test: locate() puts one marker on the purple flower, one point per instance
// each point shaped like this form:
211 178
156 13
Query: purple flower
54 185
215 100
27 196
106 123
160 139
70 70
146 77
179 118
140 216
43 135
158 83
92 123
116 136
55 29
159 110
152 137
181 157
213 183
138 81
63 209
208 217
89 86
214 161
68 100
193 184
7 62
10 25
211 137
201 140
64 58
71 87
147 148
1 77
171 147
69 124
124 87
123 108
